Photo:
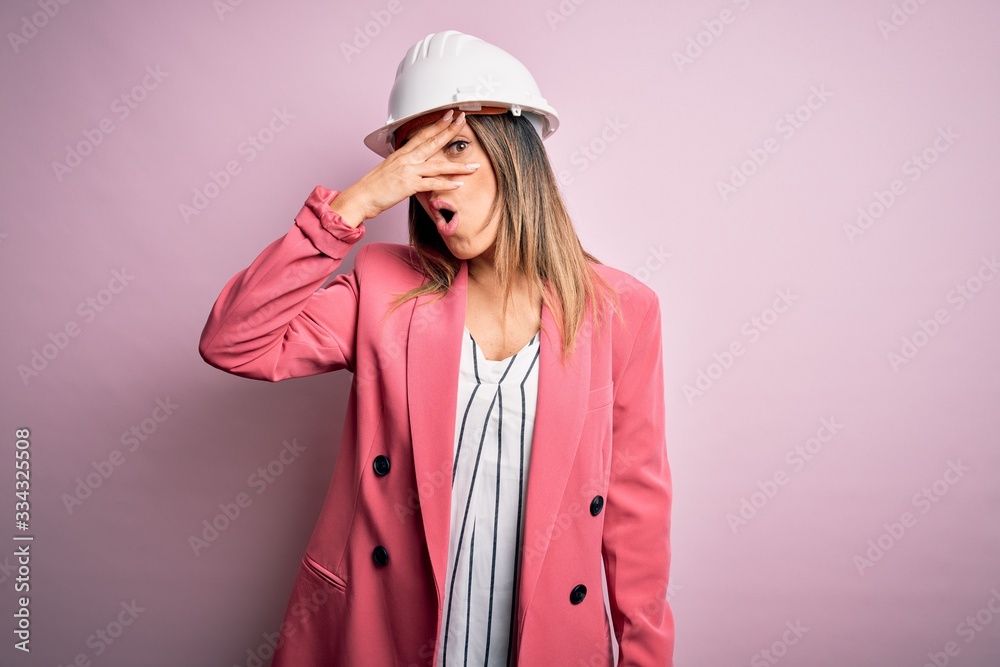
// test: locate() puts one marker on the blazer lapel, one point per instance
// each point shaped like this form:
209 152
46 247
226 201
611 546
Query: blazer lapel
433 356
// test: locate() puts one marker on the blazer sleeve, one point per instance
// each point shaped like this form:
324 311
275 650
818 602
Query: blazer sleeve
636 542
271 321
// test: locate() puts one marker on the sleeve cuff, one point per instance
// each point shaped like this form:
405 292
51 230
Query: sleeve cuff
324 227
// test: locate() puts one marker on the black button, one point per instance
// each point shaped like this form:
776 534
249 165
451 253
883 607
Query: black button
380 555
578 593
381 465
596 504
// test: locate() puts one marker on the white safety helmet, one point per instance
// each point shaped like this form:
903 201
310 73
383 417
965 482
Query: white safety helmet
452 69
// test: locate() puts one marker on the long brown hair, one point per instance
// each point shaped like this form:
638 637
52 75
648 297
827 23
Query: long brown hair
535 238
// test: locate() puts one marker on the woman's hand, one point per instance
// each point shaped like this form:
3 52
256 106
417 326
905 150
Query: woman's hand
410 169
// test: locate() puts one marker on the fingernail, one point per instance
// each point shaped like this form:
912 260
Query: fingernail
449 114
457 183
472 165
460 119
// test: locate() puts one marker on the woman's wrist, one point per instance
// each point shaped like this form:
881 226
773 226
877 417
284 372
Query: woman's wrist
344 206
328 231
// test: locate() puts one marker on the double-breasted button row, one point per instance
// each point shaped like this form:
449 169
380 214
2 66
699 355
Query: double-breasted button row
580 591
381 467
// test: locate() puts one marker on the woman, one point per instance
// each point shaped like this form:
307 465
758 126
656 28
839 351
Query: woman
505 428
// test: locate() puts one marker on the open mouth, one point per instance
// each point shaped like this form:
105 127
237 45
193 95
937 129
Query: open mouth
445 216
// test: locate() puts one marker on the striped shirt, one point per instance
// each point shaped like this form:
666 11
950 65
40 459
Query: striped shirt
494 424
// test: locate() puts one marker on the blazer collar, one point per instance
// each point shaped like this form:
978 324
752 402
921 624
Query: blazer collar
433 356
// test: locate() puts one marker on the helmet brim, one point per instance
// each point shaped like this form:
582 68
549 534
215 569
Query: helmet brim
380 141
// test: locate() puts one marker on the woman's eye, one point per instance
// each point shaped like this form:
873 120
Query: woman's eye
460 141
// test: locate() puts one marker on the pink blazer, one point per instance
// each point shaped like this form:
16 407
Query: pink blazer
370 585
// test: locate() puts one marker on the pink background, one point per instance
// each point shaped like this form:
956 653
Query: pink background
644 142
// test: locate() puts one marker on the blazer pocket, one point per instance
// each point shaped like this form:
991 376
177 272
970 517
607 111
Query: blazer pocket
324 574
600 397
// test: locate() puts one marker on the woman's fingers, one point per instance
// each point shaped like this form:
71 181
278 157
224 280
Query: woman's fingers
429 139
430 174
429 184
443 166
410 143
415 167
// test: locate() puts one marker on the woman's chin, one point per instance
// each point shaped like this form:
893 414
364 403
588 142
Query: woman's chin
461 248
465 246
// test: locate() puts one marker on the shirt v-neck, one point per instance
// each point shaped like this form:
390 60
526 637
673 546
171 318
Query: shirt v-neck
481 356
